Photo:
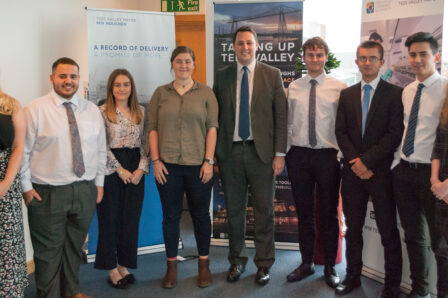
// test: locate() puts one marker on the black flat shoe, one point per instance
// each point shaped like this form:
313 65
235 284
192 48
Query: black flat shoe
121 284
331 277
262 277
130 278
234 272
301 272
350 283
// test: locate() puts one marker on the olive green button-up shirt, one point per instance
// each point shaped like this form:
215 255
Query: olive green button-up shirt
182 122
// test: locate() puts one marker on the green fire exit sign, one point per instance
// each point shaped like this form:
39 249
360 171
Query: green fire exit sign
180 5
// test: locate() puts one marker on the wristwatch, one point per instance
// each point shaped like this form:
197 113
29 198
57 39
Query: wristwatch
210 161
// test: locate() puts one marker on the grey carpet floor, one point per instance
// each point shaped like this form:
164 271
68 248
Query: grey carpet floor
151 269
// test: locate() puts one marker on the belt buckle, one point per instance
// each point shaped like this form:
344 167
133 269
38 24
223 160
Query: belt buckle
413 165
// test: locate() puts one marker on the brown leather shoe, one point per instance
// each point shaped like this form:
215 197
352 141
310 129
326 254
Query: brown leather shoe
79 295
169 281
204 274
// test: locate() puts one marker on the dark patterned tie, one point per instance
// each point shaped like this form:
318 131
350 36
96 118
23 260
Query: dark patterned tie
78 161
243 125
365 106
408 145
312 114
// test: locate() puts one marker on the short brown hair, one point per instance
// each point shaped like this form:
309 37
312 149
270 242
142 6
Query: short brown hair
63 60
315 42
180 50
245 29
370 44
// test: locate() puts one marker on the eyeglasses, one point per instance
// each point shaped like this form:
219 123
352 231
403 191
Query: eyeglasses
372 59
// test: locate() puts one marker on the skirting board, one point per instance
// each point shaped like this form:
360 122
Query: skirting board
379 277
250 243
143 250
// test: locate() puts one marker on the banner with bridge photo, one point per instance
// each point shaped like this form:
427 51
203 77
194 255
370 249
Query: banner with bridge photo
279 29
390 22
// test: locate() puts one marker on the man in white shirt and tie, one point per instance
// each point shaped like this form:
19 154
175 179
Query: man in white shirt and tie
312 158
62 178
411 169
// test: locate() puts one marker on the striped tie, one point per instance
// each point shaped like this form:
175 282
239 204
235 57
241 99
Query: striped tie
78 161
312 115
408 145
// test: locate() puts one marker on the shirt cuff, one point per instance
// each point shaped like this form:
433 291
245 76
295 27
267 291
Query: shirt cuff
99 180
26 186
280 154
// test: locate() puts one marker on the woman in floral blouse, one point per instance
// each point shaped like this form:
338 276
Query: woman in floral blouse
119 212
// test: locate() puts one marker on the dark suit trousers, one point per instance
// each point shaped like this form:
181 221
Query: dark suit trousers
58 226
308 169
241 169
355 196
416 207
119 215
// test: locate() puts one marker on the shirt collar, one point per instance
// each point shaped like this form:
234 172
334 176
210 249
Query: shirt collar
429 81
373 83
58 100
320 78
251 66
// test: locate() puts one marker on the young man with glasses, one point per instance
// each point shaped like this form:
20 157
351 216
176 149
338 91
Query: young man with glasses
369 126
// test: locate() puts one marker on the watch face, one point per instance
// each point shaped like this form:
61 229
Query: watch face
210 161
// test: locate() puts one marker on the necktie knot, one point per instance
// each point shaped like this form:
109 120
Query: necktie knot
367 87
420 86
313 82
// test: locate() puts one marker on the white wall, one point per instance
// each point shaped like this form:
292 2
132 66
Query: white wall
36 33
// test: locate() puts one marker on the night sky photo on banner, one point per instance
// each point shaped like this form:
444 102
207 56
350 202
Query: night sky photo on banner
279 29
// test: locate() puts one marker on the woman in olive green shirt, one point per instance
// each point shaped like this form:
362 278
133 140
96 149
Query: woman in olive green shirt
182 123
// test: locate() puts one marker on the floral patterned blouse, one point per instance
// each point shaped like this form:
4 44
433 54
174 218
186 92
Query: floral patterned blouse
125 134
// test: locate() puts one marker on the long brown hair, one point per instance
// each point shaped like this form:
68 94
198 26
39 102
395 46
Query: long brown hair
6 104
111 108
444 113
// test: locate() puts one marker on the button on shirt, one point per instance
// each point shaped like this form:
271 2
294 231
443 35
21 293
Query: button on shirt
182 122
327 98
48 156
431 102
250 77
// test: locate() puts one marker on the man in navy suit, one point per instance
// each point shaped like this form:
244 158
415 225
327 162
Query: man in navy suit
369 126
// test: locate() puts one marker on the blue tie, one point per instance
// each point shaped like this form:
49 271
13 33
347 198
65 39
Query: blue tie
243 127
408 145
365 106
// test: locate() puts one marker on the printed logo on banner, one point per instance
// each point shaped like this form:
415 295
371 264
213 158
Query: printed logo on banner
370 7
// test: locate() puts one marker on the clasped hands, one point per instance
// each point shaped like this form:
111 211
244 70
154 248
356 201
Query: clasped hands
360 169
129 177
440 189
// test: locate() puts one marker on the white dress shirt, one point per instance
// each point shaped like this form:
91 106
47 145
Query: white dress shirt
48 151
327 99
374 85
431 102
250 77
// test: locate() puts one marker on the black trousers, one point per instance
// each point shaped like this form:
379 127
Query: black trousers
119 215
186 179
309 169
416 207
355 196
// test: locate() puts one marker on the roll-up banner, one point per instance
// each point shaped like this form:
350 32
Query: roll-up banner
279 29
390 22
140 42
